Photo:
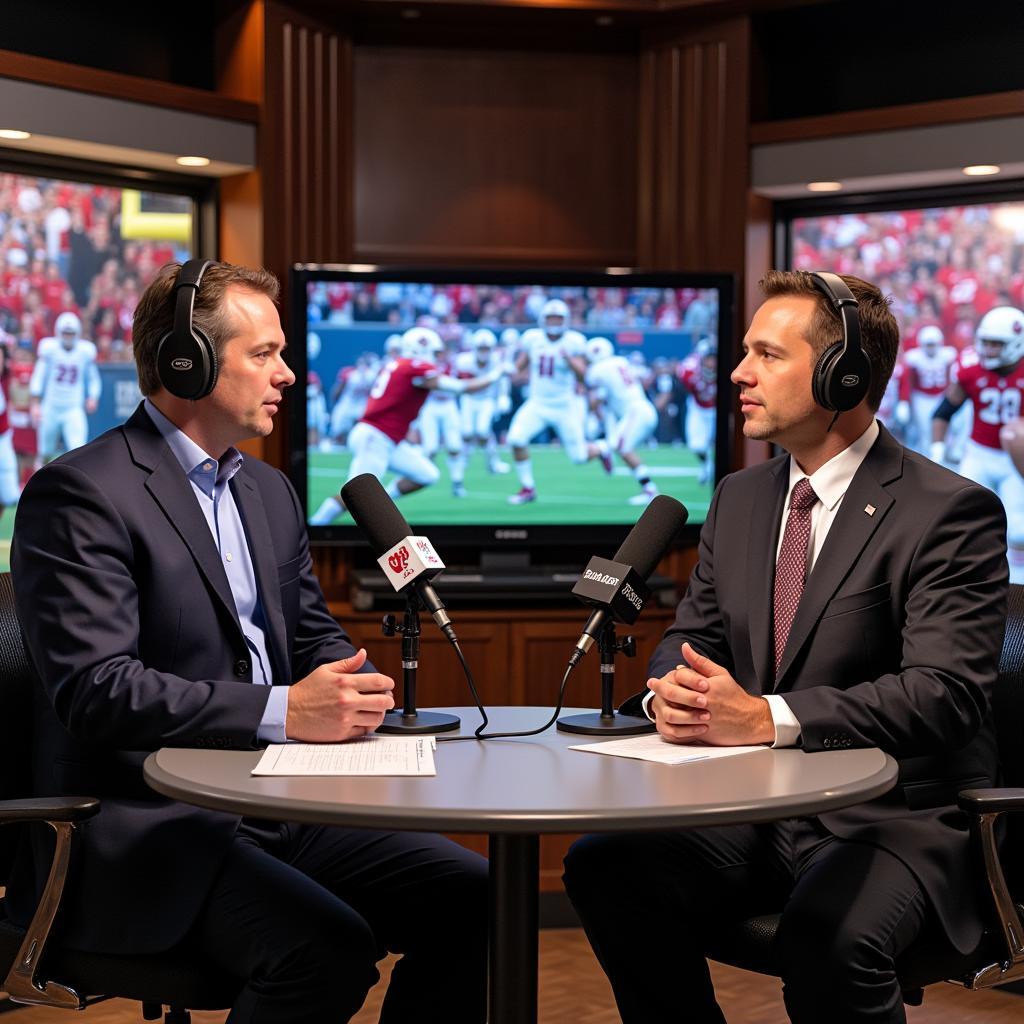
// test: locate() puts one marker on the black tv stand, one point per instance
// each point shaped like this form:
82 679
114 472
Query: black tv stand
497 578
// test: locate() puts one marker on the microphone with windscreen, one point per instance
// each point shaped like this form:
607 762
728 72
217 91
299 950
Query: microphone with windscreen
410 563
617 589
407 561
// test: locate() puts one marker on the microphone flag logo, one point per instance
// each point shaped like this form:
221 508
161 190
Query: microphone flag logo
409 559
399 559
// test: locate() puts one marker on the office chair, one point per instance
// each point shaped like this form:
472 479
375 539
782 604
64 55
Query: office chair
999 958
38 969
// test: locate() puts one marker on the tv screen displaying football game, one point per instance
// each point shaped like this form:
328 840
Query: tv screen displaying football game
956 276
560 401
74 258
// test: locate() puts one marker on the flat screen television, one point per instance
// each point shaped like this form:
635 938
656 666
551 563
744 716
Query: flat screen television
78 246
600 425
947 259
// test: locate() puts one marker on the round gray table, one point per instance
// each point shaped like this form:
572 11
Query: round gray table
516 789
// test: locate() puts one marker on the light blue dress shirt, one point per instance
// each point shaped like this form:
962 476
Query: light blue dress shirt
210 480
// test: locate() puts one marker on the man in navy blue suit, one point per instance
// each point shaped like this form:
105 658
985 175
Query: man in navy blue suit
165 587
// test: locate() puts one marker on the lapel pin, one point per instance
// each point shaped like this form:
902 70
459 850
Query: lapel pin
870 509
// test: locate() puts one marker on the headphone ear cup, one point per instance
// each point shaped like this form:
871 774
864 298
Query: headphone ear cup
821 379
183 364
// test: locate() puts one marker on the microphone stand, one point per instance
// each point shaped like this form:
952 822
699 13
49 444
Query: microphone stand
609 722
409 721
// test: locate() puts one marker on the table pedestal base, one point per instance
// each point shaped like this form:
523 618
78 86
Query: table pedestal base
512 976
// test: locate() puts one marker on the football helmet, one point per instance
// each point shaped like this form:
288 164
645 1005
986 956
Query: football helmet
483 338
313 344
930 338
554 308
393 345
510 338
422 343
707 353
598 349
68 323
1000 337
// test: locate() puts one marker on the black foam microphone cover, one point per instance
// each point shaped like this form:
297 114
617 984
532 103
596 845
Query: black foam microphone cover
374 512
646 544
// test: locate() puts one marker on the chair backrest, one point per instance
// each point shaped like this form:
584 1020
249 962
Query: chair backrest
1008 712
1008 703
17 682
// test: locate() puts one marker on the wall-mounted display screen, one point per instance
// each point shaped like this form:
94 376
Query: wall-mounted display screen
74 258
955 271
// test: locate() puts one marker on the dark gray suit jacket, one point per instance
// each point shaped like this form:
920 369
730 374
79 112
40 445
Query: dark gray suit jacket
895 643
130 622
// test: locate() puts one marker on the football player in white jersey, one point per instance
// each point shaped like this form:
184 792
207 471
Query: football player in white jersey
924 382
479 409
556 357
350 394
65 387
438 422
633 418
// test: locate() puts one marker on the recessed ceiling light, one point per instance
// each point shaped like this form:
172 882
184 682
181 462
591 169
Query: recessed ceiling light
824 186
980 170
14 133
604 20
193 161
410 13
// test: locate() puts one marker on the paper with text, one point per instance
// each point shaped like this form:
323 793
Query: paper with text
369 755
653 748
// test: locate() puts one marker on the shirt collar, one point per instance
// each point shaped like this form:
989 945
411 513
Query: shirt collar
832 480
201 468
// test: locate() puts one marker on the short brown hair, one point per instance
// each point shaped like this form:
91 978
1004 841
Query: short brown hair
879 332
154 315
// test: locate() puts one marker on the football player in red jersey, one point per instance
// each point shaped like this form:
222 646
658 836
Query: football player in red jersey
699 377
377 441
992 377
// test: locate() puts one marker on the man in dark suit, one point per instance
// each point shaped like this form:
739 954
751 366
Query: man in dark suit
166 591
848 594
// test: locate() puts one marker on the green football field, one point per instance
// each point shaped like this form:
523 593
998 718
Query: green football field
566 493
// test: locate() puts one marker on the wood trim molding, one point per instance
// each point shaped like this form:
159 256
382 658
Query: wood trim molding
493 255
43 71
909 115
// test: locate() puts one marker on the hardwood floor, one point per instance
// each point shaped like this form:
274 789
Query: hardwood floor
572 988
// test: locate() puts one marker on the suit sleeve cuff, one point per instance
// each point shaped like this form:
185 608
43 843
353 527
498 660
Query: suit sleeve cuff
787 725
275 714
646 705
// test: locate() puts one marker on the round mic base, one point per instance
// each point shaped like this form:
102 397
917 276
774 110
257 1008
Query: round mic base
419 723
596 724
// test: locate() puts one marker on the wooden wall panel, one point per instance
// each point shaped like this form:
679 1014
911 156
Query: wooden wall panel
497 157
306 142
693 113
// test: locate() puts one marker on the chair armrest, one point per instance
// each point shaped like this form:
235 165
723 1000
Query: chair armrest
990 801
64 815
55 808
985 807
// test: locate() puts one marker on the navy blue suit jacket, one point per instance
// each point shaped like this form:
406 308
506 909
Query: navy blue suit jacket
895 644
130 622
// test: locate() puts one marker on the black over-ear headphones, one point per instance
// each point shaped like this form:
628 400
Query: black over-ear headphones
842 374
186 360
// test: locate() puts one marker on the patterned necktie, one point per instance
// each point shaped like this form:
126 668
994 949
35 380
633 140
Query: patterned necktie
791 568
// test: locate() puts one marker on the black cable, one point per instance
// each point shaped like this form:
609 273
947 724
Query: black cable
480 734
